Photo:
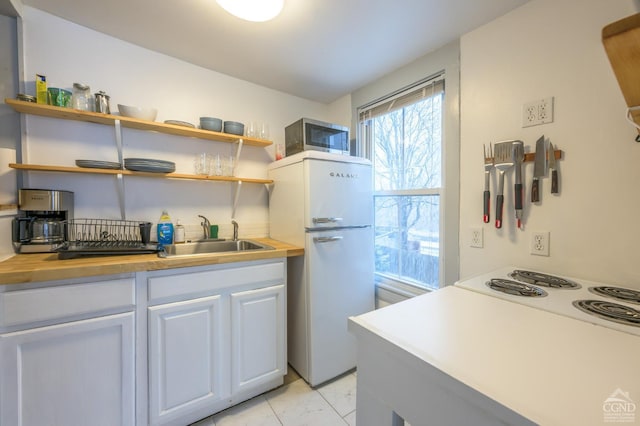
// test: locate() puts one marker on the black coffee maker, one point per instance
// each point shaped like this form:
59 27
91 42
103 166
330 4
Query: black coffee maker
41 225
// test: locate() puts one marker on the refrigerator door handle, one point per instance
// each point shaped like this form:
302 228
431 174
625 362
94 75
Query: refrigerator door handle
326 219
326 239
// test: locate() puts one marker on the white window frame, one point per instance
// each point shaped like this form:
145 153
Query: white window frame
449 196
447 59
405 288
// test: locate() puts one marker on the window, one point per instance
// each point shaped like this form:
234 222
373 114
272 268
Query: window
402 136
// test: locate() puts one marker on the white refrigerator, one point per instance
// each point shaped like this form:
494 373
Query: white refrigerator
324 202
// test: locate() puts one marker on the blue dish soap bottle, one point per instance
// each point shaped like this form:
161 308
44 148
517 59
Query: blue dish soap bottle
165 230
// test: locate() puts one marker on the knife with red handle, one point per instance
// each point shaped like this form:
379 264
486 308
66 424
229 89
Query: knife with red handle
487 206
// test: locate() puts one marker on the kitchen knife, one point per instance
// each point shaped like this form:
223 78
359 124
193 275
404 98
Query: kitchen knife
554 170
539 169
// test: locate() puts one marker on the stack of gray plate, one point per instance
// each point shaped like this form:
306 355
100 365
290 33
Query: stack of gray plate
149 165
95 164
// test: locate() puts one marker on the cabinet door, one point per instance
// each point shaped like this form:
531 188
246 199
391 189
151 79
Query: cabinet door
77 373
186 357
258 337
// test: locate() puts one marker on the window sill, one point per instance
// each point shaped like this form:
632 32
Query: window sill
395 291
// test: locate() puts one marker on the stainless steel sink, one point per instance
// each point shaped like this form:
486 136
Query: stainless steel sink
208 247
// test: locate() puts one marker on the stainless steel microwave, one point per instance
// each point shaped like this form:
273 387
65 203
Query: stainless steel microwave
307 134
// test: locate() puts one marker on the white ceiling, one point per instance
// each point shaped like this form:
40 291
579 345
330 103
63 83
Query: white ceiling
316 49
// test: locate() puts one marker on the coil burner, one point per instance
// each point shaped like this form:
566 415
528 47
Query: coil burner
618 293
610 311
515 288
543 280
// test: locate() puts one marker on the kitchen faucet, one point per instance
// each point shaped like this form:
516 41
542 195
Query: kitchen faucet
235 230
206 226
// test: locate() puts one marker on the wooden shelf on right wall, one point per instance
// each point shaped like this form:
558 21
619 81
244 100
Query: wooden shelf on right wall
621 41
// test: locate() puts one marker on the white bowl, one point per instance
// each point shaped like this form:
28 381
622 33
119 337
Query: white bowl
148 114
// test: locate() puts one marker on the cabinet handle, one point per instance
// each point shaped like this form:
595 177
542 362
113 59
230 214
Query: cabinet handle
325 239
327 219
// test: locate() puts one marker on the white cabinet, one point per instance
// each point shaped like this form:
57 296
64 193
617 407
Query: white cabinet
216 337
258 337
185 357
166 348
68 370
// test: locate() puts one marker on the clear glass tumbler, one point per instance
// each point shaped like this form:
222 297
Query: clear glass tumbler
202 164
263 131
216 165
229 166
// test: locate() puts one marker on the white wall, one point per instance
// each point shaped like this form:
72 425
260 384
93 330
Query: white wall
553 48
341 112
68 53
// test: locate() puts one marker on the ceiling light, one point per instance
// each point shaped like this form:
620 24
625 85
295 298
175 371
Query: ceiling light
253 10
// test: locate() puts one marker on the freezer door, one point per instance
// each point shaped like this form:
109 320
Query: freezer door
337 194
340 285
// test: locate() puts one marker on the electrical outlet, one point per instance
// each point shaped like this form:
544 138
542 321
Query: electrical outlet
540 243
537 112
477 238
529 115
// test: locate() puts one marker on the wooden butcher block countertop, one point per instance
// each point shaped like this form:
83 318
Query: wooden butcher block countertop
25 268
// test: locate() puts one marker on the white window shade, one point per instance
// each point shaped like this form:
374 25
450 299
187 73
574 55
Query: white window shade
400 100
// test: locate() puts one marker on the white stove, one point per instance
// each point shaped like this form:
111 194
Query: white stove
616 307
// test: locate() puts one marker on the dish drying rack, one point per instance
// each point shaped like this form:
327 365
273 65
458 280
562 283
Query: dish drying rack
93 237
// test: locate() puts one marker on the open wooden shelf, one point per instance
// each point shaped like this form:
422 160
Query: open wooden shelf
119 122
131 123
65 169
621 41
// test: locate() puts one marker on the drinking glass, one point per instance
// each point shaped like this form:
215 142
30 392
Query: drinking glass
252 129
229 166
81 97
202 164
264 131
216 165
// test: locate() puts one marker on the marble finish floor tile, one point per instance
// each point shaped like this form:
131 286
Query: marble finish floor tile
254 412
204 422
341 394
351 418
294 404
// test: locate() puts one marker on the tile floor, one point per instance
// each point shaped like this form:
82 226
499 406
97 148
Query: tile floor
295 404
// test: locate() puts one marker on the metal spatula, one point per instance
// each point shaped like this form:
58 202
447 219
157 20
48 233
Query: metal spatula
503 160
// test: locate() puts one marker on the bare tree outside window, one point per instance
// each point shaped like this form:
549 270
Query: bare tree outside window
406 145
